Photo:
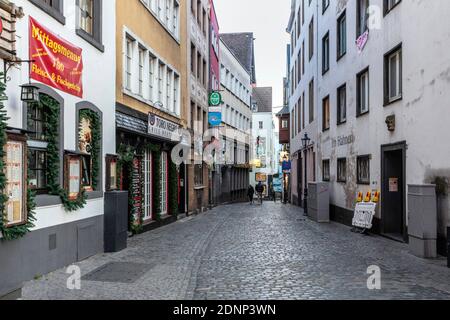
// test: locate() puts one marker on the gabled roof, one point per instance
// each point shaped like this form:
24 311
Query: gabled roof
242 46
283 111
263 98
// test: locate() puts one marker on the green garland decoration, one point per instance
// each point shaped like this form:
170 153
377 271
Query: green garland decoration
52 112
15 232
173 189
94 119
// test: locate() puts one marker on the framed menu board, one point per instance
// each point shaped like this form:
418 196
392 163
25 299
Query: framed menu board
16 176
111 172
136 188
72 175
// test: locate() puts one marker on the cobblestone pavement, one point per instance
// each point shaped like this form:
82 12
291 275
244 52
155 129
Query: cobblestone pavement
252 252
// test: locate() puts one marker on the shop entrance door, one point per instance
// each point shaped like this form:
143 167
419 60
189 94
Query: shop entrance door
148 189
182 189
393 205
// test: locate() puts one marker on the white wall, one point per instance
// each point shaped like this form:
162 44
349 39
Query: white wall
422 115
98 84
233 99
268 133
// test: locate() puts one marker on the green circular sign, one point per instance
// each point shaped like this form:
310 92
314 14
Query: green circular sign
215 99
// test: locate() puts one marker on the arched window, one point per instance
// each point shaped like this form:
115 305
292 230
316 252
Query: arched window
42 119
89 144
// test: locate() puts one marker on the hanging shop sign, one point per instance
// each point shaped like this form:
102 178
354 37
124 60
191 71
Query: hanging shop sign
260 177
72 181
215 99
57 62
16 188
163 128
287 166
215 119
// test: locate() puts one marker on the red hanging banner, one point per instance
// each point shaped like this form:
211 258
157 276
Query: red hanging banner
57 62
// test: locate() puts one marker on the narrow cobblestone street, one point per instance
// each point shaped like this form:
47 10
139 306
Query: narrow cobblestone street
251 252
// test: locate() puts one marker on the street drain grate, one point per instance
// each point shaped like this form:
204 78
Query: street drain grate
118 272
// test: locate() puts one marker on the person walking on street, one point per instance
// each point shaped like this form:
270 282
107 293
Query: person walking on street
251 193
259 191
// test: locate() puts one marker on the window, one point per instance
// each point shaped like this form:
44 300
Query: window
167 12
325 5
326 53
160 82
311 39
362 17
193 56
342 105
37 144
342 170
326 170
52 7
128 63
390 4
299 115
393 75
164 183
311 101
176 99
303 58
363 170
89 25
362 92
303 111
86 8
326 113
151 82
148 188
341 36
169 91
198 175
284 124
261 125
141 70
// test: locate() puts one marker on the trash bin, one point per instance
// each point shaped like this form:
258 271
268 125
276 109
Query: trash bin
319 202
422 218
116 221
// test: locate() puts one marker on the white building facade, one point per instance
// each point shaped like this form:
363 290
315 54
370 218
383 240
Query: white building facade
379 102
59 237
264 157
231 176
198 85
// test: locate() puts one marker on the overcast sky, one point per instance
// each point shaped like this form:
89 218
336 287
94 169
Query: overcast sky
267 19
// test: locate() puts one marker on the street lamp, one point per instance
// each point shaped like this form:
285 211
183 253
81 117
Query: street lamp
305 141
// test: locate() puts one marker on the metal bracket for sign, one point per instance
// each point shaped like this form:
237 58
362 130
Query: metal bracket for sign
8 64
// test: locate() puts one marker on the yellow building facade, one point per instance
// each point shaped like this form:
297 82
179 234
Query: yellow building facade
152 103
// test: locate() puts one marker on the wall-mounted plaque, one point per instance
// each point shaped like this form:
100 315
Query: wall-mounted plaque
72 174
16 176
111 173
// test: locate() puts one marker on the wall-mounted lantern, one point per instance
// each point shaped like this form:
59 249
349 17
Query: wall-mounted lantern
29 93
111 173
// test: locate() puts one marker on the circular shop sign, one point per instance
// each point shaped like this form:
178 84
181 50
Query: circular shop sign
215 99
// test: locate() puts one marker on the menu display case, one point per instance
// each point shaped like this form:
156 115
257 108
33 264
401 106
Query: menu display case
111 173
16 176
73 166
